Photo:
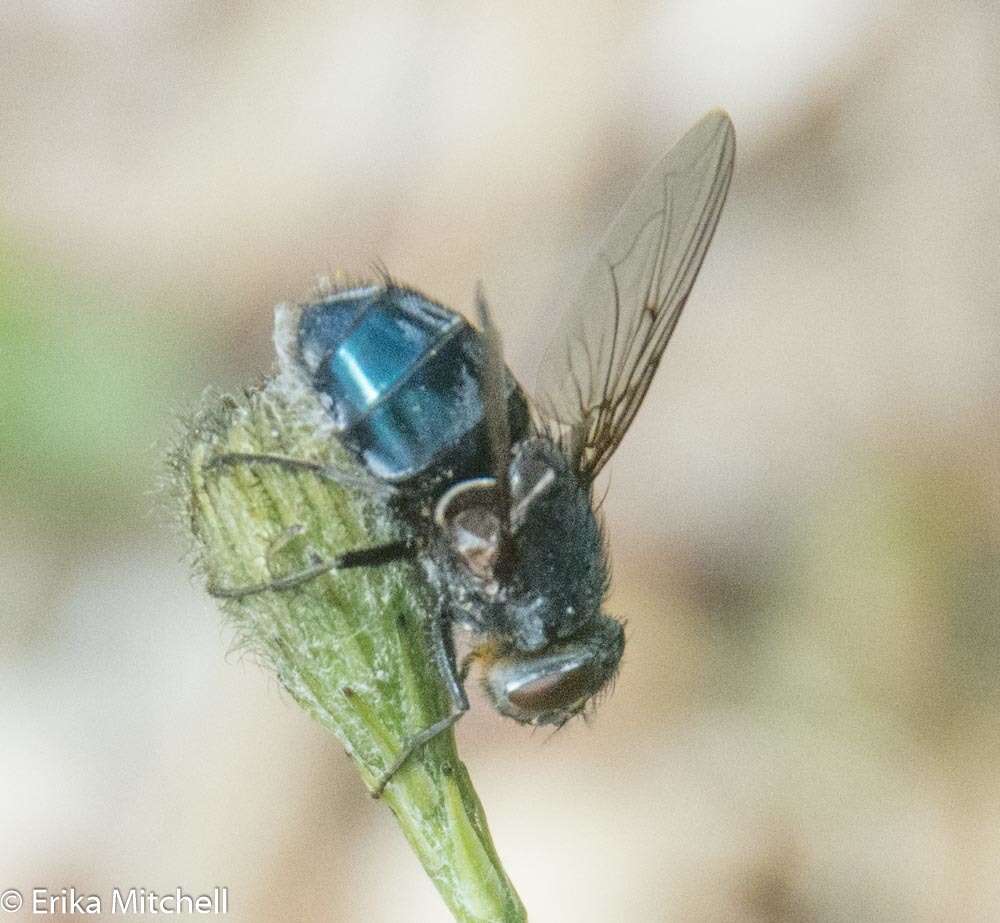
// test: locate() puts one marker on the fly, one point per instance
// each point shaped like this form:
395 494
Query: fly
493 493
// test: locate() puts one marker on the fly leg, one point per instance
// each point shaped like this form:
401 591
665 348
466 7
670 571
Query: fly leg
341 476
374 556
442 650
439 639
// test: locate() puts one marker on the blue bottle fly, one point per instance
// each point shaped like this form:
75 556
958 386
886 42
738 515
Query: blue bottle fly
495 492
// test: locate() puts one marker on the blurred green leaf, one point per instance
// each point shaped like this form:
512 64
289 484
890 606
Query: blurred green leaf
87 386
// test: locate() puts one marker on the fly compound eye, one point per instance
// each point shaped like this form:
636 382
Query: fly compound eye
553 685
553 692
545 689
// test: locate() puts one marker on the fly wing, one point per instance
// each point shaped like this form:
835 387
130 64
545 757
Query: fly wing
602 359
493 382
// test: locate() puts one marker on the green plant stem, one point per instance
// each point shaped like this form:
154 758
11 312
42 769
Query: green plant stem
350 646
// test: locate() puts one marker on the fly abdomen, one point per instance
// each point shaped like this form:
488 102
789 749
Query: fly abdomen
401 375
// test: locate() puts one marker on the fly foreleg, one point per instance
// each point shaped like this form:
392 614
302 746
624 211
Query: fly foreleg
442 650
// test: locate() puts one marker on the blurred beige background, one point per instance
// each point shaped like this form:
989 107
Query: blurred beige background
804 519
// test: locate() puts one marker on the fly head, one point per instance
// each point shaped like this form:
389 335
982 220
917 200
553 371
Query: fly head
552 685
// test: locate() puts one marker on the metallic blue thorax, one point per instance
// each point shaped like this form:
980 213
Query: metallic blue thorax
402 376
